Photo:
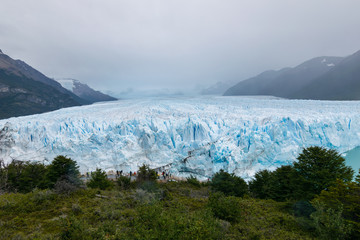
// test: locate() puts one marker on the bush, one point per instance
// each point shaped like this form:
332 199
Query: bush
146 174
346 195
193 181
229 184
225 208
63 186
329 223
124 182
99 180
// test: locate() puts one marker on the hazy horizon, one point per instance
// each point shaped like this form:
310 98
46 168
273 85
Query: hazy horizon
173 45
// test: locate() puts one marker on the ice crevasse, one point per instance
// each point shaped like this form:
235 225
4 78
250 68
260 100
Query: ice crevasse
186 135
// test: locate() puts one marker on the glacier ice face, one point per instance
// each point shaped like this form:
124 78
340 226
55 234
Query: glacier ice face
198 135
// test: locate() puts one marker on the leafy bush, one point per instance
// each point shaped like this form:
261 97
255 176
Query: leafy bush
99 180
63 186
146 174
329 223
346 195
225 208
124 182
193 181
229 184
303 209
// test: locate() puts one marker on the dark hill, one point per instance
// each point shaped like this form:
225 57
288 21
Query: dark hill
340 83
24 90
285 82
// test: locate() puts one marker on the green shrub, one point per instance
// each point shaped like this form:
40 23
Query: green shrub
124 182
346 195
225 208
193 181
329 223
229 184
99 179
146 174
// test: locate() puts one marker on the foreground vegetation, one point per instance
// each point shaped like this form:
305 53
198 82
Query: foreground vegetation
293 202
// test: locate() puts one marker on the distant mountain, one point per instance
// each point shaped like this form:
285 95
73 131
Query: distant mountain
24 90
342 82
84 91
286 82
218 88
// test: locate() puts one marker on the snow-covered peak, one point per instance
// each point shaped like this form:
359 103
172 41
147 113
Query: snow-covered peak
330 65
1 52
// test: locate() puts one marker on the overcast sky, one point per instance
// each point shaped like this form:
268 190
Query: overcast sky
148 44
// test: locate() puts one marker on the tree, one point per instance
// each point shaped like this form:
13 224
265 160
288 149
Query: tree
229 184
63 169
357 178
285 183
22 176
261 186
279 185
318 169
99 180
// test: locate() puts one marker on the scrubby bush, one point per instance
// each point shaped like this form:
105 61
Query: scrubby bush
229 184
344 196
225 207
124 182
329 223
99 179
193 181
146 174
63 186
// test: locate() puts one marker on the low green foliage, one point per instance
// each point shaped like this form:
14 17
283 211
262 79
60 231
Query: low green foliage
329 223
225 208
124 182
176 210
146 174
344 195
193 181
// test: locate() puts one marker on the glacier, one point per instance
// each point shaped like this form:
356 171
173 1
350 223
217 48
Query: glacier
185 135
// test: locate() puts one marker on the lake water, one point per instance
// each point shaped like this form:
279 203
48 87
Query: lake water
352 158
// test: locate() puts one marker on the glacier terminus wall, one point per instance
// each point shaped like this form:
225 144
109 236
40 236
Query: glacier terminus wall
187 135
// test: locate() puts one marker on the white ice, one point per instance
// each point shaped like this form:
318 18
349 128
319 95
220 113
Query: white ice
198 135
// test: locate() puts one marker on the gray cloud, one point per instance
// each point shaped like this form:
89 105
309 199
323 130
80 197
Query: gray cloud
117 44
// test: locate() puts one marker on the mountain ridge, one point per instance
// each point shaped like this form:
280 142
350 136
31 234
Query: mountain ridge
287 81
